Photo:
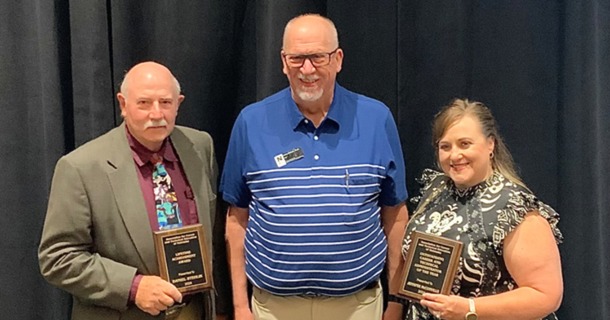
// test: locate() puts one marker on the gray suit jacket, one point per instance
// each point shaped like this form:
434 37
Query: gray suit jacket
97 236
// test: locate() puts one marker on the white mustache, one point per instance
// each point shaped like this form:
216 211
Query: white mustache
307 78
151 123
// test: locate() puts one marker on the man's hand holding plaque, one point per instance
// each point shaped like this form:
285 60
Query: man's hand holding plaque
430 265
183 258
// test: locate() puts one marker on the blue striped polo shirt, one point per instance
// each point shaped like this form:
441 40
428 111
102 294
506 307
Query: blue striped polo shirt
314 194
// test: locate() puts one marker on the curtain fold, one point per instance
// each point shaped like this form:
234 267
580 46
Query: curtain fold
584 153
35 131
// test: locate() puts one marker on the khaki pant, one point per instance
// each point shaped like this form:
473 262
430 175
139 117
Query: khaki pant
363 305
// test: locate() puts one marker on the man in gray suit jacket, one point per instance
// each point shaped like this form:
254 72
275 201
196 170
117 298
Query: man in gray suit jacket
97 241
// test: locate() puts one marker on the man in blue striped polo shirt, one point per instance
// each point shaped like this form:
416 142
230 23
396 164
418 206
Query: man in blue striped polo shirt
315 178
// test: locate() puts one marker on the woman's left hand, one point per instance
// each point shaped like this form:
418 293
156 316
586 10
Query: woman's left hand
446 307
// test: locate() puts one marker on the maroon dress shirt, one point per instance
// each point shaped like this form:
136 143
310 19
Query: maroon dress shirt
186 200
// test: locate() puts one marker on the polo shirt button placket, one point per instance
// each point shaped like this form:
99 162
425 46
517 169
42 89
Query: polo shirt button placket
316 157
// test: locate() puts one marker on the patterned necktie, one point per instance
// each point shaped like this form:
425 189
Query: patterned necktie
166 202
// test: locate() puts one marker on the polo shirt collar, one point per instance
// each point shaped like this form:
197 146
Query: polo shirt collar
335 112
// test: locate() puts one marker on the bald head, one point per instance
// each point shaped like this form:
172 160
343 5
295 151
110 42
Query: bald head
149 101
145 71
308 24
312 40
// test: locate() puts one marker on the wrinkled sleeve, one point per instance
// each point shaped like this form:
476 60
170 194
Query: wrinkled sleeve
394 187
232 183
67 254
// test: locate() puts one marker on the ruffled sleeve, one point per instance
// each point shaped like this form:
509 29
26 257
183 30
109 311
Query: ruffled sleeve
426 180
519 204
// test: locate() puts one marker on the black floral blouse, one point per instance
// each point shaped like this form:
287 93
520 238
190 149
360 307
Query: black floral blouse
480 217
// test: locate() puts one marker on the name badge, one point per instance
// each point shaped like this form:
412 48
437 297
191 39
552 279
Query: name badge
284 159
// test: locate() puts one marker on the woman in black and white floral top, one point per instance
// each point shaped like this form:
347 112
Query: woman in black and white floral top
510 266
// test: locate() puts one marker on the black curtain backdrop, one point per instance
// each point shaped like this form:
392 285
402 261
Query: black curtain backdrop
542 66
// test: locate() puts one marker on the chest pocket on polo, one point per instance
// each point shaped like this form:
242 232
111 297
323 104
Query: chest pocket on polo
361 193
362 188
357 183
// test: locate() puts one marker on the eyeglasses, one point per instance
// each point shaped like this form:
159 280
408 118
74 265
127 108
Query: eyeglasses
319 59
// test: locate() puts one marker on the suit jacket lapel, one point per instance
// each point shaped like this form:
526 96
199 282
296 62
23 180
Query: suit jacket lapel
193 166
130 201
191 163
